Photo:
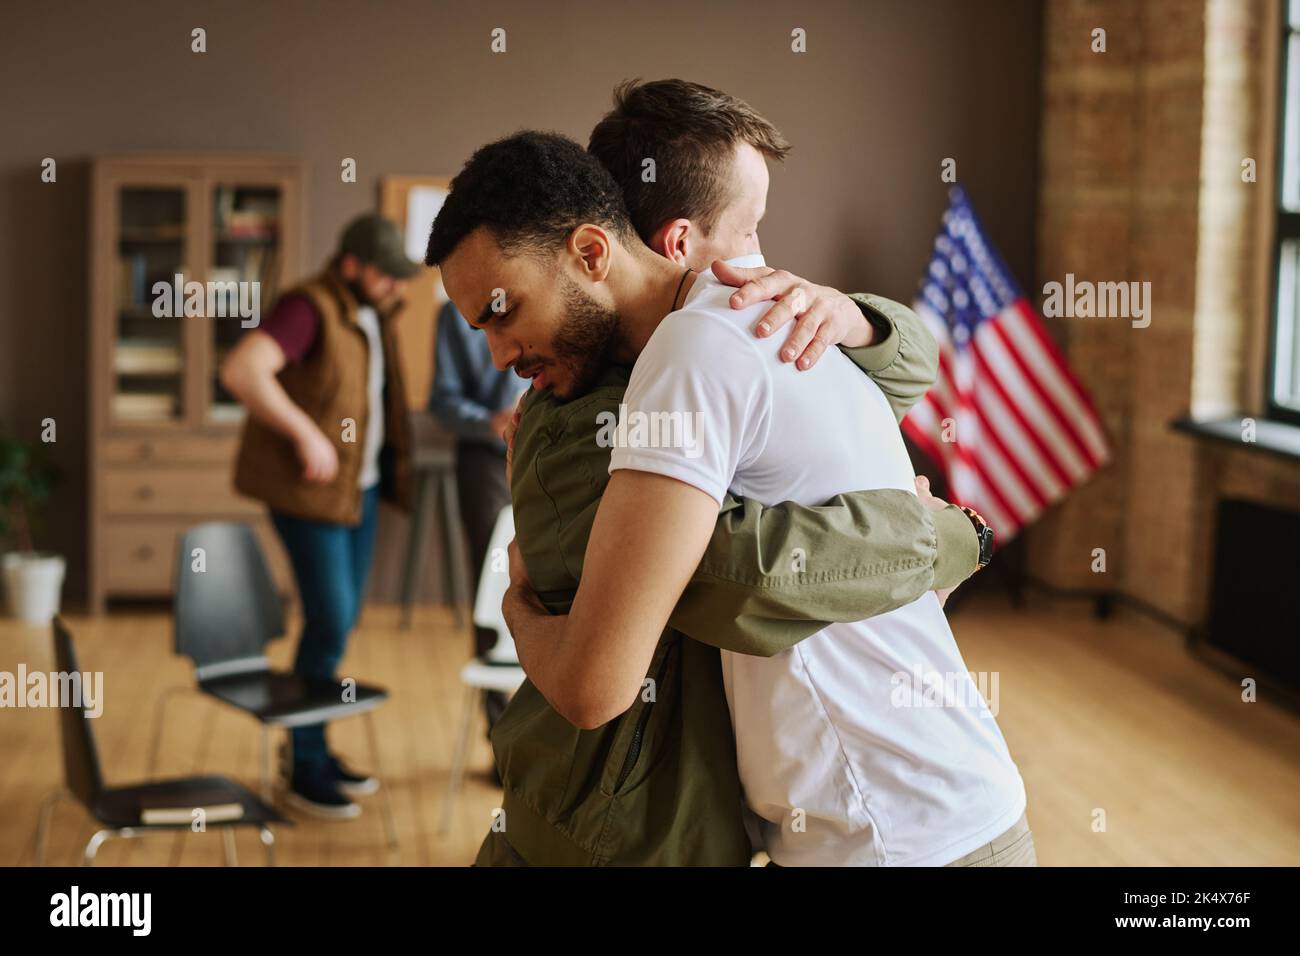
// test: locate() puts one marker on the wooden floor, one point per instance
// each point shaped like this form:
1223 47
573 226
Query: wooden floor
1111 717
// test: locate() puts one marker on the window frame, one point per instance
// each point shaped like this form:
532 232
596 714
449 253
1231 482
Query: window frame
1286 223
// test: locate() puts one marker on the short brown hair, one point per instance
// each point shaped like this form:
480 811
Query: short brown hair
690 132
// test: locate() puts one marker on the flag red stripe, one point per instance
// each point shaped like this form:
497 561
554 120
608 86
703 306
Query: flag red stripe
1039 328
1045 397
947 382
1005 524
1026 330
1042 497
995 436
1014 408
972 460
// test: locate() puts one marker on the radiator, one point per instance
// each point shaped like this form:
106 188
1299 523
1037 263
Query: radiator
1255 592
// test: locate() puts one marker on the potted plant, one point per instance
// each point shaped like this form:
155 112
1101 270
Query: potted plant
33 579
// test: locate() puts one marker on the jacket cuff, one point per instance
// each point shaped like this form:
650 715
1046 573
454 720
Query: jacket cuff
957 548
884 351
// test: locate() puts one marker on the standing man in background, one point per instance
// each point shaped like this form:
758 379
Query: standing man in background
475 402
326 435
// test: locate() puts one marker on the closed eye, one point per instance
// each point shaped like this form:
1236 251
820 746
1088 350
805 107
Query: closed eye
488 316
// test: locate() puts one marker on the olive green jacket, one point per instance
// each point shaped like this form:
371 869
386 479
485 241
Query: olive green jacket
658 785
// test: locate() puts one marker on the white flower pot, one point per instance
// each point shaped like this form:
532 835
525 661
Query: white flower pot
33 583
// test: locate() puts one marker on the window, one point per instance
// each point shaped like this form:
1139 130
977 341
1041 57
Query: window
1284 380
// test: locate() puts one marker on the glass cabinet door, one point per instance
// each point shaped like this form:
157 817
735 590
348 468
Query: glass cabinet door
148 348
244 272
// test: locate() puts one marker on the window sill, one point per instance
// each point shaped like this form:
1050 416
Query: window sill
1281 439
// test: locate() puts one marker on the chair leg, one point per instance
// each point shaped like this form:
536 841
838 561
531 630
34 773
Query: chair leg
92 848
159 724
178 847
390 823
268 841
266 763
415 544
50 801
453 536
472 695
228 840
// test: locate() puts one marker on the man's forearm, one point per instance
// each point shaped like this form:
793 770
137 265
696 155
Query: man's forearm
772 576
268 402
540 641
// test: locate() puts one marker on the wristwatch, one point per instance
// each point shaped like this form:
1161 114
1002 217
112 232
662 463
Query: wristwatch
983 533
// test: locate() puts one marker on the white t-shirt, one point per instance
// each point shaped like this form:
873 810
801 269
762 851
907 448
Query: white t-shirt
368 319
840 756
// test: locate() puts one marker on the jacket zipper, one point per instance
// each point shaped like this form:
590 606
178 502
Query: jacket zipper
634 749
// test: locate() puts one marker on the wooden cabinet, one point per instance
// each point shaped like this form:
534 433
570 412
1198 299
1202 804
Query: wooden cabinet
186 253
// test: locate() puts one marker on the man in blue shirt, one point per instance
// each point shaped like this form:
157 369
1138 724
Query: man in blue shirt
475 401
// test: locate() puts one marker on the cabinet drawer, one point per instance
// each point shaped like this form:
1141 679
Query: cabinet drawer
171 449
173 491
139 557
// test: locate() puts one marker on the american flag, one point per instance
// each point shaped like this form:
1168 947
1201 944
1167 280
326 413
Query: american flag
1007 421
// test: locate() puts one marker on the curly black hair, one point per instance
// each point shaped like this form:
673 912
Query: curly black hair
531 190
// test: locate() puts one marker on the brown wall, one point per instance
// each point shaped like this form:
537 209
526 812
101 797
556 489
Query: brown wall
1119 200
1140 180
884 93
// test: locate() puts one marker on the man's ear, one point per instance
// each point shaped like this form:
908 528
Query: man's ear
670 239
591 248
349 266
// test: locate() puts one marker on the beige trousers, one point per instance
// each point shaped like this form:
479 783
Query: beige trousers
1013 848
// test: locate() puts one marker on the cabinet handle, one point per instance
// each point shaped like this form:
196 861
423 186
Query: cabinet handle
146 450
144 552
144 492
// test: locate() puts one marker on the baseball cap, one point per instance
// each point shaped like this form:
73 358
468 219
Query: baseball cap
376 241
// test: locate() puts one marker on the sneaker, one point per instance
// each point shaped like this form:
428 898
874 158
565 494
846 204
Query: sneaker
317 793
349 782
352 784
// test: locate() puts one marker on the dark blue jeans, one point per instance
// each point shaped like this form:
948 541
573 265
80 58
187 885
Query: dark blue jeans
330 563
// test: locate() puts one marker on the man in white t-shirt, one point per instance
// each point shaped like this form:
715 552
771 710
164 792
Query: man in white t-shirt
837 771
841 758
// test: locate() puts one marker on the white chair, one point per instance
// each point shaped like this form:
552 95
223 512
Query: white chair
498 669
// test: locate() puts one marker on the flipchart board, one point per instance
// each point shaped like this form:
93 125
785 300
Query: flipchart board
402 199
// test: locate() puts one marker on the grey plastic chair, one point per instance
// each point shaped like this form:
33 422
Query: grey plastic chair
225 615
